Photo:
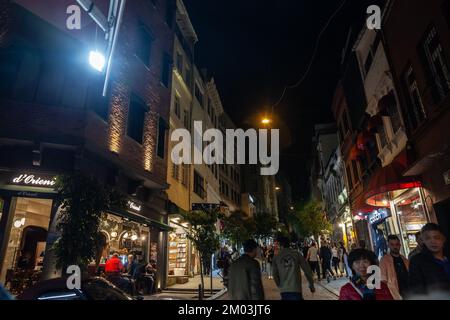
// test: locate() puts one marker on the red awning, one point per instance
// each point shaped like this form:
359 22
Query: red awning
359 207
388 179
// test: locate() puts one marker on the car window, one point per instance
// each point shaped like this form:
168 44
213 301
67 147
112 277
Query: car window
61 295
97 289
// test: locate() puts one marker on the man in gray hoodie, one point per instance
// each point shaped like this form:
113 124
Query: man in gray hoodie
287 267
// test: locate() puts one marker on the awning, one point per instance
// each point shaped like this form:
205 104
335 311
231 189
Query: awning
359 206
140 219
388 179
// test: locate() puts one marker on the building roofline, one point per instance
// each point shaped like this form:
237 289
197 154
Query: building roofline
184 22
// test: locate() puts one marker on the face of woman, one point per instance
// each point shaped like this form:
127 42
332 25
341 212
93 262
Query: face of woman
360 267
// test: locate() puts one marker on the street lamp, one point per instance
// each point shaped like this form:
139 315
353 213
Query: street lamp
277 188
266 121
97 60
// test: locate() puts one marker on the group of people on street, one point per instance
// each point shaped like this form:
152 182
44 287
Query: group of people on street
134 277
425 274
245 281
332 260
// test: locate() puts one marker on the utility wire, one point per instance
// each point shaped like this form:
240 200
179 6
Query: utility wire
316 47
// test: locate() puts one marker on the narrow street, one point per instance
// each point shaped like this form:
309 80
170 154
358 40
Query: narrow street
324 291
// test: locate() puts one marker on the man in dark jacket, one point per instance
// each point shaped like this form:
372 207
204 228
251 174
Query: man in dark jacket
429 271
326 255
245 281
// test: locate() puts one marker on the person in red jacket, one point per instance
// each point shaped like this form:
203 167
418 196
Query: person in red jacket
114 265
359 260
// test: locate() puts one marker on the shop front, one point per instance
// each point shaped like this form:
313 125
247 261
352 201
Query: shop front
401 209
27 208
183 258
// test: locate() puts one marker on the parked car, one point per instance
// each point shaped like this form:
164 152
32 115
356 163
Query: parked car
95 288
5 294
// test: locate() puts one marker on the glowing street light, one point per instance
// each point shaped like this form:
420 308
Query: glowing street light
265 121
277 188
97 60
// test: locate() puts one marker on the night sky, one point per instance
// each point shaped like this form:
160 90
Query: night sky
254 47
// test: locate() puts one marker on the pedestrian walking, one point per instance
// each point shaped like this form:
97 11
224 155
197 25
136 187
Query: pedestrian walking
270 256
429 270
313 258
418 248
348 270
245 281
357 289
335 259
394 269
287 266
325 255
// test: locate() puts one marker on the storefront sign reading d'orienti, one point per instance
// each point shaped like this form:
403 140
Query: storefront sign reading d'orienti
33 180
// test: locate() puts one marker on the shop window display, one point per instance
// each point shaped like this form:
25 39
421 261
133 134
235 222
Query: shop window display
24 256
411 215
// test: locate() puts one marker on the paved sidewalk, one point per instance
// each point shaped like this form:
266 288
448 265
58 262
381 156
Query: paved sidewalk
272 293
335 285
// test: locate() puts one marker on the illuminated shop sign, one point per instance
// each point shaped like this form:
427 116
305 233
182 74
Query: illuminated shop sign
379 215
134 206
33 180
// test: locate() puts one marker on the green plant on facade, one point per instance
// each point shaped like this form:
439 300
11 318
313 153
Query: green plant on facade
83 200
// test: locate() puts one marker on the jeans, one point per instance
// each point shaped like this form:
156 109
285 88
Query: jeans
315 268
291 296
269 269
326 266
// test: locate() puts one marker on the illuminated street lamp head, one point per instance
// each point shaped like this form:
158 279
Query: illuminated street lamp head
97 60
277 188
265 121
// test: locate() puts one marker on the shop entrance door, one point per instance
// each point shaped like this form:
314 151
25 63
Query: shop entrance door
442 210
26 239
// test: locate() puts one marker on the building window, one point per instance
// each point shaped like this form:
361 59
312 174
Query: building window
186 119
136 118
199 185
185 174
165 73
394 114
382 135
162 127
95 99
209 108
349 177
176 106
415 109
175 171
198 95
180 63
144 44
187 77
436 65
355 171
371 54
